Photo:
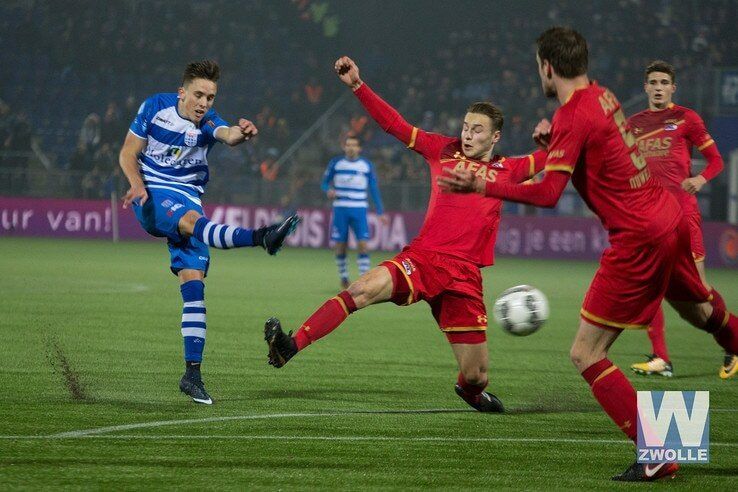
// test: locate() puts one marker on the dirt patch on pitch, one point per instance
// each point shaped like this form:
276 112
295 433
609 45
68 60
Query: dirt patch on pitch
60 365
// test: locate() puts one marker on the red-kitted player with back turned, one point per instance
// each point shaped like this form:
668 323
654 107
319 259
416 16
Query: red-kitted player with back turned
650 255
441 265
666 134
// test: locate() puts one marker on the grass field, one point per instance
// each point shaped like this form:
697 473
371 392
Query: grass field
92 357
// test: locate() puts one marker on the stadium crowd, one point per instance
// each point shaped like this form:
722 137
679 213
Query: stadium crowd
85 74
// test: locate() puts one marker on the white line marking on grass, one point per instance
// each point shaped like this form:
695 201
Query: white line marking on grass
164 423
533 440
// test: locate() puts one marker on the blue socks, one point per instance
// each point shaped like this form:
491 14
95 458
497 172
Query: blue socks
193 319
222 236
364 263
342 267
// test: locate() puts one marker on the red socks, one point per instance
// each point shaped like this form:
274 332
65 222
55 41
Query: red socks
657 337
615 394
717 300
724 327
326 319
471 391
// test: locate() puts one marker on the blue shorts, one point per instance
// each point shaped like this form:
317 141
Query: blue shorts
345 217
160 216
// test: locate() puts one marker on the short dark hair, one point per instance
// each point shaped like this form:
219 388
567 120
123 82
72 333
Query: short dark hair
566 51
352 136
663 67
205 69
488 109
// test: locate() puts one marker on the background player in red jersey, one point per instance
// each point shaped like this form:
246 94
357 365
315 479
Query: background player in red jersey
441 265
649 255
666 133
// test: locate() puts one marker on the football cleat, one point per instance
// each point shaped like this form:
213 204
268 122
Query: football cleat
272 237
192 386
654 365
647 472
730 366
281 345
483 402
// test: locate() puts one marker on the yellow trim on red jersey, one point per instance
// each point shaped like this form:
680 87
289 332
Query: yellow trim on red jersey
559 167
464 328
343 304
670 105
705 145
409 282
413 136
532 160
614 324
605 373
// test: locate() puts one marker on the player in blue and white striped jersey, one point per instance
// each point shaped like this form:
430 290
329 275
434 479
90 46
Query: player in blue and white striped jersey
348 181
165 160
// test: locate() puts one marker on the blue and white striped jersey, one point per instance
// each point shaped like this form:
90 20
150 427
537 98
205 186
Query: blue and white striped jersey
175 157
352 181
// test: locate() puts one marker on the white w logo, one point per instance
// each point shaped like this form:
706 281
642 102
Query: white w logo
656 428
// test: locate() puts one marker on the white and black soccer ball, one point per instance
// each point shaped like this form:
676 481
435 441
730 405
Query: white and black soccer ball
521 310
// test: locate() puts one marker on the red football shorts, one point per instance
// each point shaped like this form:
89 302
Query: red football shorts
452 287
627 290
695 230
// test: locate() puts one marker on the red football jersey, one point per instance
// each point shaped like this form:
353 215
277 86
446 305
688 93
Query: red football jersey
591 140
461 225
665 139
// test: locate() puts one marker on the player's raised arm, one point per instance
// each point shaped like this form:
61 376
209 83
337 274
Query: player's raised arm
234 135
385 115
128 160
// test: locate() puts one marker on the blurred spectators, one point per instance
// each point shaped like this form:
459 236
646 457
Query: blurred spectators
72 64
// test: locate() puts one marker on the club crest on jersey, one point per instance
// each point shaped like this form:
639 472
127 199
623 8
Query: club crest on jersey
190 137
670 127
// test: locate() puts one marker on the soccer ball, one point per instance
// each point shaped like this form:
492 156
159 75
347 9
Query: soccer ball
521 310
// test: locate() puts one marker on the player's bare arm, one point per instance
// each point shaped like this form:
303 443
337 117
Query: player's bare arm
348 72
128 160
235 135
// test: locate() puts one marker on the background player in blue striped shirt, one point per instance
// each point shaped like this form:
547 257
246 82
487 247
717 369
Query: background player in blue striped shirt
347 181
164 158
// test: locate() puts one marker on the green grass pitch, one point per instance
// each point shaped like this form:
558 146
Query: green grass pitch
91 348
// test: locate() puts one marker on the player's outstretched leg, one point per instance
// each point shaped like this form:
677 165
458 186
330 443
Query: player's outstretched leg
613 392
730 362
470 349
193 336
223 236
720 323
374 287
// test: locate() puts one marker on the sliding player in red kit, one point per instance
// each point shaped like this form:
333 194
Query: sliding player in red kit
441 265
666 133
649 257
